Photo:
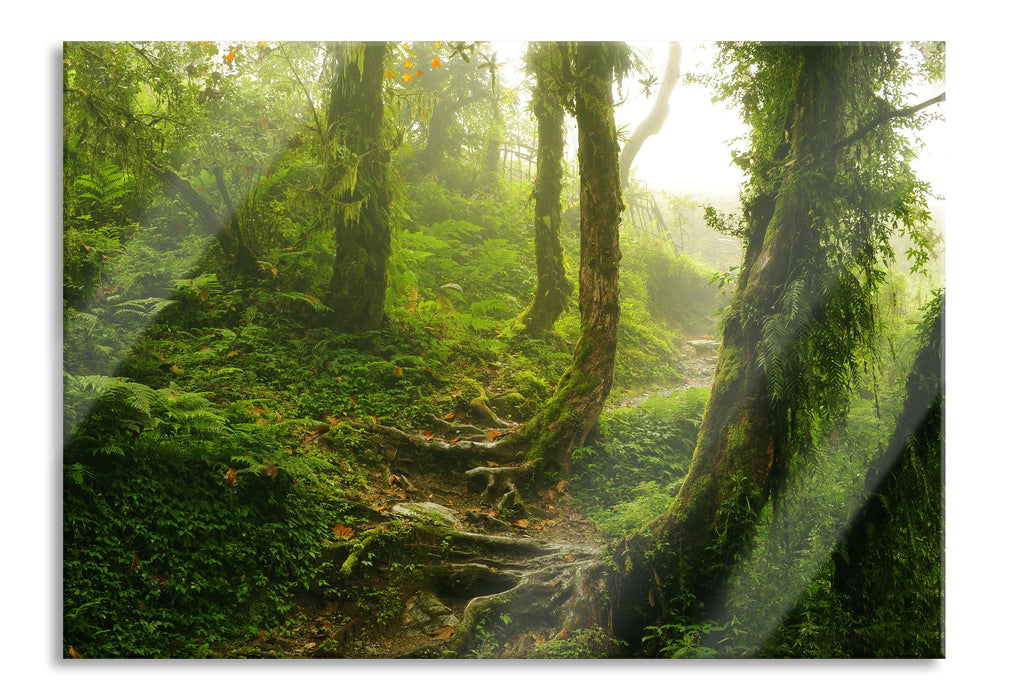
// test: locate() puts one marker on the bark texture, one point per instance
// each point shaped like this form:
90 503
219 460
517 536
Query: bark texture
553 288
357 185
737 457
562 424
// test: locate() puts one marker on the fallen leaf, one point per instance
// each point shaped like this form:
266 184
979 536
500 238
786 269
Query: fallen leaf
444 633
397 371
229 476
342 532
73 653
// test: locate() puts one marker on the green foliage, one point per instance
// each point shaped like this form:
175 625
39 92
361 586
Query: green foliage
185 523
634 461
590 643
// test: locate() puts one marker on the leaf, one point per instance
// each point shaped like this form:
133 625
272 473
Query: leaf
342 532
562 486
495 434
407 78
229 476
444 633
270 469
73 653
436 62
397 371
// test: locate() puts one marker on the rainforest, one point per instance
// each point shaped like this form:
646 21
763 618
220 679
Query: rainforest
407 350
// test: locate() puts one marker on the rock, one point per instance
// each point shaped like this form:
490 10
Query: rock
704 346
425 613
427 512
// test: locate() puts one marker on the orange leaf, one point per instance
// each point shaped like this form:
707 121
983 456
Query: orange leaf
444 633
75 655
495 434
428 434
436 62
230 57
342 532
406 62
450 415
397 371
407 78
419 72
230 477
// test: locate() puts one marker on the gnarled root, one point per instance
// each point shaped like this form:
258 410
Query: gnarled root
498 479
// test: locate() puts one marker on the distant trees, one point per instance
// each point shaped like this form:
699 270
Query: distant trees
656 117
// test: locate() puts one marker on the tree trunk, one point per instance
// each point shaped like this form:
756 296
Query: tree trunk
738 456
652 124
897 536
358 191
553 288
561 426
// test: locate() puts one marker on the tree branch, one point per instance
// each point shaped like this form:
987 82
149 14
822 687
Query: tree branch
886 116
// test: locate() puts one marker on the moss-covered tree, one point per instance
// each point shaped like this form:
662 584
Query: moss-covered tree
553 288
356 187
888 569
820 207
562 424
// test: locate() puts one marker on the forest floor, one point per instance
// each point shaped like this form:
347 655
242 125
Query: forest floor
552 535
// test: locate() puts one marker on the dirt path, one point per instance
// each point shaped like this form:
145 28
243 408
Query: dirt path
491 583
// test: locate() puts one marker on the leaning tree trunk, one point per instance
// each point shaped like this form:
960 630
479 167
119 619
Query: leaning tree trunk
553 288
562 424
738 456
358 192
897 536
652 124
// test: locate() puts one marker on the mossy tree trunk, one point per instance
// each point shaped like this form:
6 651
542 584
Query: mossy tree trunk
553 288
738 456
888 569
561 426
357 189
